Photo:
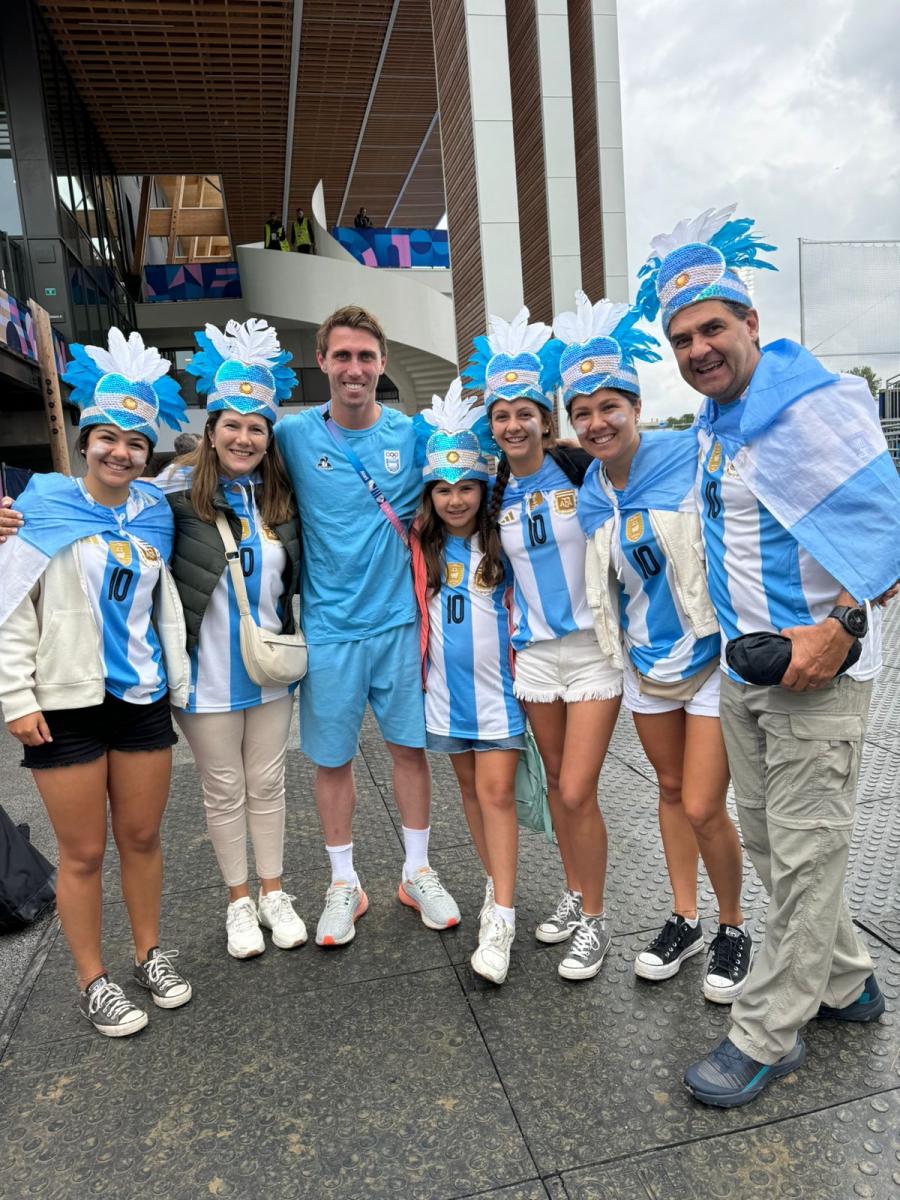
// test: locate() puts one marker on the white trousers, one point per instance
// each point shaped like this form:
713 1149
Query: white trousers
240 757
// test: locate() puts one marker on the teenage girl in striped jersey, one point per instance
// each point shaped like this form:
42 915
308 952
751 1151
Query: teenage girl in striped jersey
647 588
237 730
471 712
571 691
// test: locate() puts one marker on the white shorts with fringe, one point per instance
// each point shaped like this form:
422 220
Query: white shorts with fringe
570 668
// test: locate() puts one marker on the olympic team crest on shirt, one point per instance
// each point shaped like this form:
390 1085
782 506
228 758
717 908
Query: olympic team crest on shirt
565 502
634 527
453 576
121 552
392 461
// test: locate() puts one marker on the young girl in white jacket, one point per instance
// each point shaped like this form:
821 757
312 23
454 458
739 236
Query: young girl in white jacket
91 643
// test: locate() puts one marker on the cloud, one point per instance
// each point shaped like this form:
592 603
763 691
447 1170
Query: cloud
791 109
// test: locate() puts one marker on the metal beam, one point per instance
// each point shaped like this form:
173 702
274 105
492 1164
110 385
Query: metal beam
362 128
292 109
415 163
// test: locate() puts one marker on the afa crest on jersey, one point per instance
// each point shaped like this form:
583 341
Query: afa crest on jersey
564 502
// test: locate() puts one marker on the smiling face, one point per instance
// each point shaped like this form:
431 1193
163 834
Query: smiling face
519 428
240 442
457 504
115 458
606 424
353 363
716 350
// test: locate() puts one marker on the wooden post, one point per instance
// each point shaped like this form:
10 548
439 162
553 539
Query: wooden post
140 236
56 425
177 202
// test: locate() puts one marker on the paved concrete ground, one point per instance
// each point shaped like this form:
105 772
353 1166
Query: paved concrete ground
387 1069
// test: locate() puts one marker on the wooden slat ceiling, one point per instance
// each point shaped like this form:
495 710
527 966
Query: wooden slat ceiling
188 86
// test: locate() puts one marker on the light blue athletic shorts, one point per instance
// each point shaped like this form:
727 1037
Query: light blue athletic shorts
385 670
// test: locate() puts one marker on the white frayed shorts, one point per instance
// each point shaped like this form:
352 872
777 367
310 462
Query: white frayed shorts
703 703
569 668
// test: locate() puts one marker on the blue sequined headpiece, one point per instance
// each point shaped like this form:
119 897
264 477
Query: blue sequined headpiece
600 343
515 361
127 385
243 369
698 261
452 438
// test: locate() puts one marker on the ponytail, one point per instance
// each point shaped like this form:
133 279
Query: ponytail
500 481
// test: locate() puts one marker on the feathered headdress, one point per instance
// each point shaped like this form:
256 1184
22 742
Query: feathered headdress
453 437
601 342
515 361
126 385
697 261
243 368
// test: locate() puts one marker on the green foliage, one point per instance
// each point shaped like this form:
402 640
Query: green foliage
682 422
869 376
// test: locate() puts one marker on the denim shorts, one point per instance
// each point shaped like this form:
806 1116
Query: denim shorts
81 735
441 744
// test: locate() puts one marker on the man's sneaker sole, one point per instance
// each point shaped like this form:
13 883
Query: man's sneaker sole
362 907
126 1030
667 970
760 1081
862 1015
410 903
726 995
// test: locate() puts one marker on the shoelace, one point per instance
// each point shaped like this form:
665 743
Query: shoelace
585 940
111 997
669 936
499 934
284 911
567 907
725 954
243 917
338 899
429 883
160 970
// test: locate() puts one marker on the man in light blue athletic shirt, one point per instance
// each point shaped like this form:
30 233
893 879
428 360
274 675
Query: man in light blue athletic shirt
359 613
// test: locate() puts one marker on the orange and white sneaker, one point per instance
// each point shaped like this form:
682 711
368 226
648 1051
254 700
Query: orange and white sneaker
424 891
345 903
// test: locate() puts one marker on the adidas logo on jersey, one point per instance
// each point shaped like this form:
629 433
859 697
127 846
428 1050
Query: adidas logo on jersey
323 464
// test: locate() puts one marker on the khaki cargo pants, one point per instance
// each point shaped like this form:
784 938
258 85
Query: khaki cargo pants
794 759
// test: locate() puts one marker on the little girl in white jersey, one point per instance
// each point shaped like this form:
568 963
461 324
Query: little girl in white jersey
471 712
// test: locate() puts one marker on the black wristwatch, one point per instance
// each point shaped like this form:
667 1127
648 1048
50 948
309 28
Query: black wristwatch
854 620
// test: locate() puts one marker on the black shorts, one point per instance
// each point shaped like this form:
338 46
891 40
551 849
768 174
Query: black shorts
81 735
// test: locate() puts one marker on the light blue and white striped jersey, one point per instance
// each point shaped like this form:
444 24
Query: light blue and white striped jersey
470 683
655 629
121 574
219 679
545 544
761 580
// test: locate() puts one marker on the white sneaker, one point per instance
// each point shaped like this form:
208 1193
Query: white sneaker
491 959
276 912
245 939
487 909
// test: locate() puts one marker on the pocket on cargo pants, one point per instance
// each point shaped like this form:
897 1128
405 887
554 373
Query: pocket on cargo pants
812 765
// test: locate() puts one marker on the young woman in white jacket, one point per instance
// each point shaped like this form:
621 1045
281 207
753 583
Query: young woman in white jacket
646 585
91 643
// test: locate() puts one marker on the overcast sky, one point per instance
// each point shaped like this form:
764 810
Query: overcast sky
789 107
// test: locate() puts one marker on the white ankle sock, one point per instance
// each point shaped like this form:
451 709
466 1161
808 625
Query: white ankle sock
342 864
415 844
692 921
507 914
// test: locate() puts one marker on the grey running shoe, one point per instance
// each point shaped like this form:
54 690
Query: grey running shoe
589 946
109 1010
344 904
424 891
562 924
491 959
487 908
159 977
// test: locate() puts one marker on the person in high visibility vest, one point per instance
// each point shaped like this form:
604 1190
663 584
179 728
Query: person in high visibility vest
302 234
274 237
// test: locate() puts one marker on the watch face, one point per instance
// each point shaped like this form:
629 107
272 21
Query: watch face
856 621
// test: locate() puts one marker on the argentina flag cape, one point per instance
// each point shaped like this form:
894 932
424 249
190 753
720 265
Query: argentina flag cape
58 511
813 454
662 477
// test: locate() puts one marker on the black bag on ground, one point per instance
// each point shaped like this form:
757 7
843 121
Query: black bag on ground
27 880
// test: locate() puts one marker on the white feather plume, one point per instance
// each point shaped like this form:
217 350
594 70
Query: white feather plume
132 359
254 343
696 229
588 320
452 414
517 336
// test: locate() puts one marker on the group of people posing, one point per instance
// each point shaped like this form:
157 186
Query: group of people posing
469 577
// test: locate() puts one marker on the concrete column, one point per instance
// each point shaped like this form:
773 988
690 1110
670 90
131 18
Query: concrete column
495 164
609 137
559 151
